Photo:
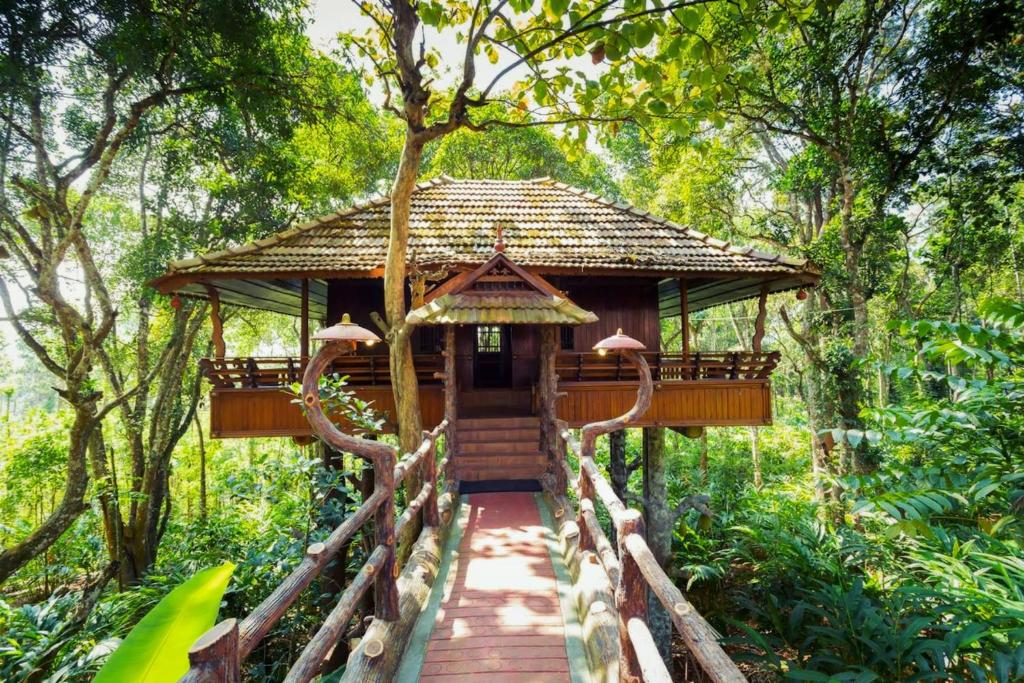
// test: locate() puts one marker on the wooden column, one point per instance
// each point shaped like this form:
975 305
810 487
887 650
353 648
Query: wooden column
451 406
762 309
684 312
630 595
304 323
547 394
217 322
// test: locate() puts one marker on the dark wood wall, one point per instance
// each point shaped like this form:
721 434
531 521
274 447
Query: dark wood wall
629 303
361 296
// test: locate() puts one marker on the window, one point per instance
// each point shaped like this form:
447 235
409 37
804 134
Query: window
568 338
488 339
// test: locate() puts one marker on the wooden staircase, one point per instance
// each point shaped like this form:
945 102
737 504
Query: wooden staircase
499 448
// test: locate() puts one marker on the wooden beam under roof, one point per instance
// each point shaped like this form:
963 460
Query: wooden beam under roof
277 296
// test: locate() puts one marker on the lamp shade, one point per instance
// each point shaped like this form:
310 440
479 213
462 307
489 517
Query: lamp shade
618 342
346 330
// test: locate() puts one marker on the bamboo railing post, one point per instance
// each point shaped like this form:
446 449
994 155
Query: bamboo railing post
451 392
386 586
428 473
214 657
630 593
586 491
561 479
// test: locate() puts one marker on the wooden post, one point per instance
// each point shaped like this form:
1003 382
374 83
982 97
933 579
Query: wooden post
762 309
451 393
428 472
547 390
383 458
304 323
684 312
630 594
561 461
214 657
386 586
586 490
217 322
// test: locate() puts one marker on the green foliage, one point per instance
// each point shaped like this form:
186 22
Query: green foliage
336 401
157 648
517 153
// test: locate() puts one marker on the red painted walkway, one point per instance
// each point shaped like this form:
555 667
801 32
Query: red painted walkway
501 621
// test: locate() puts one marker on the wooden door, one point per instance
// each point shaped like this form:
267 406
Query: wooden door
492 356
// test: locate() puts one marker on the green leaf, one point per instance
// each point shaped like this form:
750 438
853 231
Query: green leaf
156 650
554 9
644 34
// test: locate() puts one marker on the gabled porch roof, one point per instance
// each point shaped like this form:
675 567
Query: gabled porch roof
498 292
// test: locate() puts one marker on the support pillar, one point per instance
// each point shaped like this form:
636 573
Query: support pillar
658 530
304 324
762 310
451 406
547 395
684 312
217 322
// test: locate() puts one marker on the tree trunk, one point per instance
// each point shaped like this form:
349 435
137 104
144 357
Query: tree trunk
202 469
71 505
618 468
704 456
755 456
618 471
403 372
659 531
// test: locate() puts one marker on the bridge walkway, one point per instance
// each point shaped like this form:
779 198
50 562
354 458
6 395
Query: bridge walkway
501 610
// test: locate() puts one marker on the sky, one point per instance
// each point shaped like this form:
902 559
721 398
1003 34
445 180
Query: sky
329 17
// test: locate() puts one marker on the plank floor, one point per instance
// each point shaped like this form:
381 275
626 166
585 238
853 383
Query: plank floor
501 622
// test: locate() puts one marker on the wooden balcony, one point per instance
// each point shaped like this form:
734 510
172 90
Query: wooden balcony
251 396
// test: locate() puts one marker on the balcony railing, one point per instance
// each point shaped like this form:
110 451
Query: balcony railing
362 370
374 370
592 367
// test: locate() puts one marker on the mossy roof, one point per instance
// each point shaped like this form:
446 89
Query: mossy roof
548 227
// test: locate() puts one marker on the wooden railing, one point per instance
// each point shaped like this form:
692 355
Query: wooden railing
632 568
362 370
374 369
218 655
593 367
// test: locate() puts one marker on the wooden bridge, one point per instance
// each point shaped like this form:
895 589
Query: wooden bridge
522 587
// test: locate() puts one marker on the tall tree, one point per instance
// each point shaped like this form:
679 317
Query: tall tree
847 100
82 84
534 82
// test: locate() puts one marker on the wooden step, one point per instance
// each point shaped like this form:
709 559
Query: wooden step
524 447
496 423
531 472
496 434
500 460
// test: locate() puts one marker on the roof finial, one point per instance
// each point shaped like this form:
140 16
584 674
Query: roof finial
499 244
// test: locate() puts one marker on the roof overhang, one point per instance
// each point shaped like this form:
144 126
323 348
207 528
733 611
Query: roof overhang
278 295
703 292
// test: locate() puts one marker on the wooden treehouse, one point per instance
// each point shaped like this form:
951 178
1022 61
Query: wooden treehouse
520 292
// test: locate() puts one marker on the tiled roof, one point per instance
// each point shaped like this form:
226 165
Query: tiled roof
546 225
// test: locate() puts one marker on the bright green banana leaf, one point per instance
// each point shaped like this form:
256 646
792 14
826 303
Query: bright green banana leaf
156 650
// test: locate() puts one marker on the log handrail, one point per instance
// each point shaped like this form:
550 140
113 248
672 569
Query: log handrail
373 369
633 569
219 654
